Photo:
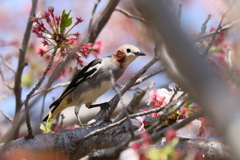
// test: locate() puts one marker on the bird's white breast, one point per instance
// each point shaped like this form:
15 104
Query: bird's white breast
92 95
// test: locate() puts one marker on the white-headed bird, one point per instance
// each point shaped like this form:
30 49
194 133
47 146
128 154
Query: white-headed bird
94 80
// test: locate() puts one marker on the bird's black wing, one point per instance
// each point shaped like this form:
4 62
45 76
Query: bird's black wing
87 72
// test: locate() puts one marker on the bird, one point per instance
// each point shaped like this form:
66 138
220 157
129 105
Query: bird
94 80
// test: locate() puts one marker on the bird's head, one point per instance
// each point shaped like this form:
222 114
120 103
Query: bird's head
127 53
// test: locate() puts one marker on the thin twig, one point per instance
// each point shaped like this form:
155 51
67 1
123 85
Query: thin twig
6 116
144 78
204 25
175 90
4 80
121 101
92 16
179 13
219 27
7 64
2 112
224 28
45 90
28 122
137 97
21 65
42 108
130 15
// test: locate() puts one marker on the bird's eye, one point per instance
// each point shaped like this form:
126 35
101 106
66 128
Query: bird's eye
128 50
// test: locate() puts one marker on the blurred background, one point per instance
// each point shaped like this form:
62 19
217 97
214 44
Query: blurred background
118 31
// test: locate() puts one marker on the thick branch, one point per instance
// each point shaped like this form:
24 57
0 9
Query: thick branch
63 144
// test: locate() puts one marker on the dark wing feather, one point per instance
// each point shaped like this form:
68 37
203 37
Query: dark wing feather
81 76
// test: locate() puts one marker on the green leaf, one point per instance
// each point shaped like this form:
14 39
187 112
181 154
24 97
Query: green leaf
49 124
42 127
66 21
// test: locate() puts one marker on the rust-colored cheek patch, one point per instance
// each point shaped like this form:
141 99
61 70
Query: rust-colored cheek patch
120 57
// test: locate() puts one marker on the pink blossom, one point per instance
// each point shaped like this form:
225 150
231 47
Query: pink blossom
97 48
79 61
191 130
79 20
72 41
154 115
58 19
46 16
161 97
51 10
170 134
129 154
139 122
45 43
41 52
35 19
77 35
85 49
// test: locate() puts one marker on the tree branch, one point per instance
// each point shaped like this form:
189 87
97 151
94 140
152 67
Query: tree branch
92 16
6 116
100 23
144 78
21 64
4 80
204 25
219 26
131 16
224 28
7 64
179 13
45 90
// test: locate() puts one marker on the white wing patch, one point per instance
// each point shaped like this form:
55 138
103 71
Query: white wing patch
97 67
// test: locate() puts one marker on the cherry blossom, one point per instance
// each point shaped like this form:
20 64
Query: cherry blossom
139 122
191 130
161 97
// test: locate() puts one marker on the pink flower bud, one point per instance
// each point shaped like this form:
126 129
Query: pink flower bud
79 20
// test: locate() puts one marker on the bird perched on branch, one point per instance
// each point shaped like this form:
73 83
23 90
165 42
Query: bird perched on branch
94 80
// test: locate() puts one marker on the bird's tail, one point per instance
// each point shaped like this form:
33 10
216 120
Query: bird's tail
55 104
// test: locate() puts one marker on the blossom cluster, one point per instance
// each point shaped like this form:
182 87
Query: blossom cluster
55 32
199 128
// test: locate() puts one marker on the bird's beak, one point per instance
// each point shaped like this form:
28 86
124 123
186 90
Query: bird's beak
139 53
